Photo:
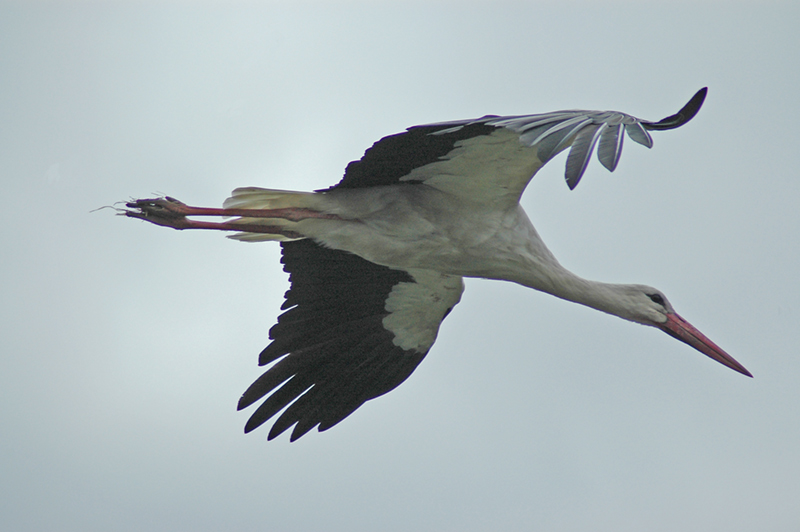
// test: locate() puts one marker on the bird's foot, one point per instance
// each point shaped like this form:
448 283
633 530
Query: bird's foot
165 211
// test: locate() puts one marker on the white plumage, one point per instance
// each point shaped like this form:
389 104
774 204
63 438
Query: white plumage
376 262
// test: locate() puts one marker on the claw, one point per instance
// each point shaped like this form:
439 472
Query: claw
166 211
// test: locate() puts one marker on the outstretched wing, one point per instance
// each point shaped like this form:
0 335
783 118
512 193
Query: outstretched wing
353 331
495 157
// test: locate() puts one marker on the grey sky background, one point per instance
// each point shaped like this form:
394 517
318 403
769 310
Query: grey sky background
126 346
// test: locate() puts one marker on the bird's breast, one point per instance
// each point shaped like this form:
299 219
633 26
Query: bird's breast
418 227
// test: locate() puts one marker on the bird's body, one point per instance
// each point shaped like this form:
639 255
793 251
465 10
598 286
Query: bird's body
377 261
418 227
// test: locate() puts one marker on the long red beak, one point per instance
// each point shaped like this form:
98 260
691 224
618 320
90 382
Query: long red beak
684 331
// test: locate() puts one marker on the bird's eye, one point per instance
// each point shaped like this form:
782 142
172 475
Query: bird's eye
656 298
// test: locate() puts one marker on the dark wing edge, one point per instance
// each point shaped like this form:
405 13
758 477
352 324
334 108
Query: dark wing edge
686 113
331 349
391 158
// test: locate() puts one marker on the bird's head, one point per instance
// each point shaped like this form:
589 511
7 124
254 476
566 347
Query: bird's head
649 306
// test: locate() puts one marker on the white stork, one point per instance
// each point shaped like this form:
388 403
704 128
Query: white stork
376 262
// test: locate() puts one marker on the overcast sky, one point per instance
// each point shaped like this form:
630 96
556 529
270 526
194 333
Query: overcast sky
125 346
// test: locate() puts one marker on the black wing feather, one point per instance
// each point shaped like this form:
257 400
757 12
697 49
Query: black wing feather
686 113
395 156
334 352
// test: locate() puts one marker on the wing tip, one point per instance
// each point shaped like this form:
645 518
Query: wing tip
686 113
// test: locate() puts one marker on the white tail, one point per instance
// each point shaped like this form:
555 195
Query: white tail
265 198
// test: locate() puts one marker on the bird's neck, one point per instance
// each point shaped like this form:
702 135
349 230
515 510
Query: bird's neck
530 263
552 278
606 297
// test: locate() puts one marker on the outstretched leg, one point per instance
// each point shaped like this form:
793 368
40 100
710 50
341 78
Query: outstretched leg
170 212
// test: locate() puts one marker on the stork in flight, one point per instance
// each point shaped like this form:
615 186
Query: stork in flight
376 262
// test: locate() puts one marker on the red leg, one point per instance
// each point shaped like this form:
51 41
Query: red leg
170 212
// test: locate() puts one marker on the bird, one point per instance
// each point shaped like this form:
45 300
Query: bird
377 261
